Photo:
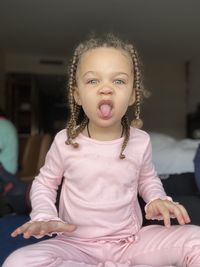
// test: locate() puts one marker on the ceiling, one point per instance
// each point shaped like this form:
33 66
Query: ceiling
53 27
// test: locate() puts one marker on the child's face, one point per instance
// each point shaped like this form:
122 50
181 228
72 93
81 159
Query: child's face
104 88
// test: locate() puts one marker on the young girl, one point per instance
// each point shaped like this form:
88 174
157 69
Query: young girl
104 163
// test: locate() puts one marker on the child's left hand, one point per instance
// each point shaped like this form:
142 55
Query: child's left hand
167 209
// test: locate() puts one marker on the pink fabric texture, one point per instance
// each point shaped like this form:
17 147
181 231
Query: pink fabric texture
99 191
99 195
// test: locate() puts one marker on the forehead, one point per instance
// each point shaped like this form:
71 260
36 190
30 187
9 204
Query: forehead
105 57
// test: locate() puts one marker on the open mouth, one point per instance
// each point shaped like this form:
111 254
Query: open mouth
105 108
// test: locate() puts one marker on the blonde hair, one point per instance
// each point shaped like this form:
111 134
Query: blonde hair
78 119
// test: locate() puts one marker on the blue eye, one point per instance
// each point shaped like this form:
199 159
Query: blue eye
119 81
93 81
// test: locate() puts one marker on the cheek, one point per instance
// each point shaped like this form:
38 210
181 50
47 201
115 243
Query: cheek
127 98
89 110
85 99
87 103
132 99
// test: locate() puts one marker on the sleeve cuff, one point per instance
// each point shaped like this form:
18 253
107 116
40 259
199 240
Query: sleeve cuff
47 220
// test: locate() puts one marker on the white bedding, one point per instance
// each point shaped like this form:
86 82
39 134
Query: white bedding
172 156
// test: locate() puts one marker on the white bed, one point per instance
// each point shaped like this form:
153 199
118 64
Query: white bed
172 156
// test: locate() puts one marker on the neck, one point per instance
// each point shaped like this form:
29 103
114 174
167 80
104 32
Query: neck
103 134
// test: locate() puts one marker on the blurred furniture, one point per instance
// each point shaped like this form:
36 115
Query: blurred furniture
193 123
22 102
36 102
34 155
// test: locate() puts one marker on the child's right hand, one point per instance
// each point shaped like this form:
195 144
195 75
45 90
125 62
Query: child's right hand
42 228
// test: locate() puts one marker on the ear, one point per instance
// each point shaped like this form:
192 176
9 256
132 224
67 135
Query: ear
132 98
76 96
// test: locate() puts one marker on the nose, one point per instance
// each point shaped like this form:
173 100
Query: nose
106 90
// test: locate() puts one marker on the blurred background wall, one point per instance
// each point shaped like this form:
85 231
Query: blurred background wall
37 39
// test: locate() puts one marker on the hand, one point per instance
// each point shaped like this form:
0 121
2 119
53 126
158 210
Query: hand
167 209
42 228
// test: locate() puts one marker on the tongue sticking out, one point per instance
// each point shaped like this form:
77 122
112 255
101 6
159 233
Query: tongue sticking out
105 110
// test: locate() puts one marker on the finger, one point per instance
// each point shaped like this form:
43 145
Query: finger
150 213
20 230
40 228
166 215
33 230
45 228
177 213
184 213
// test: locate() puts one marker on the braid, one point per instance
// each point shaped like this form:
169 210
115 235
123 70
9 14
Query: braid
82 125
78 119
126 128
74 108
139 91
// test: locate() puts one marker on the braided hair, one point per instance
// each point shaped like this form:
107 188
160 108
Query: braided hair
78 119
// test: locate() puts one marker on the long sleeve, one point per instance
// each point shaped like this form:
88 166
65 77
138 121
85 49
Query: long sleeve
149 186
96 185
44 187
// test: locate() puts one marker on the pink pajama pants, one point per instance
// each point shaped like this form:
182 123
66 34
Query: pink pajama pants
152 246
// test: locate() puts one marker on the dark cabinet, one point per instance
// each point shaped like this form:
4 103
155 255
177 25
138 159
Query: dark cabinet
36 103
20 102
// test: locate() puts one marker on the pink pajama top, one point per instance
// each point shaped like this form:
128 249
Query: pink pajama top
99 190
